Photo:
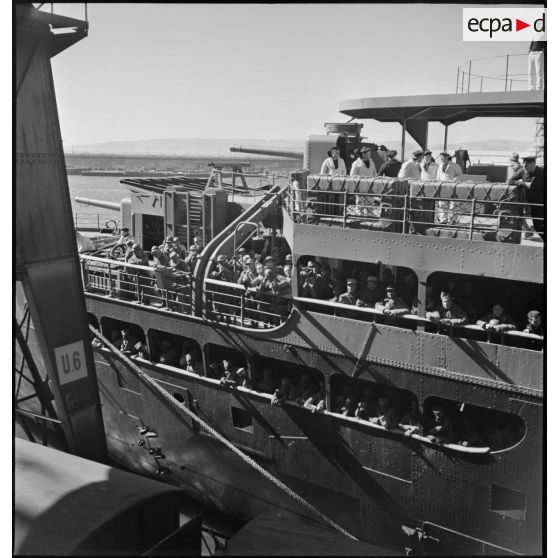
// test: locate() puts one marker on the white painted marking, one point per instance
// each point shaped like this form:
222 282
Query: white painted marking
70 362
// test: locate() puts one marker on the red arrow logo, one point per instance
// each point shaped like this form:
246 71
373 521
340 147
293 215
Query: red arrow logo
519 25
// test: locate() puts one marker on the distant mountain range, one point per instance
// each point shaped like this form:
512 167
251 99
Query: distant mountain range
220 146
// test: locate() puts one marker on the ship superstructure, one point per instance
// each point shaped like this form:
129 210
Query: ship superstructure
474 490
377 482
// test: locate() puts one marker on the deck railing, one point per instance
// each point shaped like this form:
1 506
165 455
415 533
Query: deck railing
77 10
160 287
96 222
507 72
230 303
250 307
450 217
411 321
254 308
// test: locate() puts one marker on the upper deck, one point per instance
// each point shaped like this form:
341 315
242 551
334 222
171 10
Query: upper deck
209 298
416 111
447 108
433 226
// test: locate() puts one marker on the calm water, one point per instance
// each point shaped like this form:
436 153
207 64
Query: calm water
108 188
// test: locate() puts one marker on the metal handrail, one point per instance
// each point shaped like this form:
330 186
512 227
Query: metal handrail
138 283
246 307
465 74
51 9
491 336
95 221
465 214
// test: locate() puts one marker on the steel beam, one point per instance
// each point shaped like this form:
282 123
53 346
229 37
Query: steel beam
46 251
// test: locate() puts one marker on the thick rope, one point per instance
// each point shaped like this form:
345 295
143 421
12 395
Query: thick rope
153 384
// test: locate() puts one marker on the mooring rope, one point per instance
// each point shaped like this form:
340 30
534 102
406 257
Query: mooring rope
182 407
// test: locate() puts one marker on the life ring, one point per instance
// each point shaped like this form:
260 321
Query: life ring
111 224
118 251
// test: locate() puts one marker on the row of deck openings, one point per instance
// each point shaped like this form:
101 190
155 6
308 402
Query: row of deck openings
346 397
322 282
475 295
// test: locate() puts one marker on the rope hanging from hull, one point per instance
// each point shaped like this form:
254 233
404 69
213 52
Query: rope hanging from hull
161 391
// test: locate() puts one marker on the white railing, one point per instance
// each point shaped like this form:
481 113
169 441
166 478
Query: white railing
250 307
162 287
472 219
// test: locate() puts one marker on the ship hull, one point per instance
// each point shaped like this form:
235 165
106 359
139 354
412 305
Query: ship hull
375 484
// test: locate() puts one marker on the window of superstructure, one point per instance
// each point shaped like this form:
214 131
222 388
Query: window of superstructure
110 327
370 401
303 381
490 305
175 350
216 354
473 425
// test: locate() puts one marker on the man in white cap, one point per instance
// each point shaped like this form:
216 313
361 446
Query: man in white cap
448 170
364 166
411 168
428 167
334 165
125 236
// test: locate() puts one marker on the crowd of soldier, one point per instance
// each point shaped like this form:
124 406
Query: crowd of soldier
390 411
266 279
167 350
174 262
164 350
452 307
438 425
171 253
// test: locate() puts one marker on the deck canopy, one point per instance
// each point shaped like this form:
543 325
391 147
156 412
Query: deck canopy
159 185
414 112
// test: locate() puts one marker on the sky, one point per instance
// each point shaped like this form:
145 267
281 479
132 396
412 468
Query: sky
151 71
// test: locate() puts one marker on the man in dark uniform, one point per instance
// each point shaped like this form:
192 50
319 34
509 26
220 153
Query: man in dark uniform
533 178
224 271
177 263
462 158
448 313
350 298
391 167
229 376
128 345
375 156
441 429
371 293
393 304
534 324
497 320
